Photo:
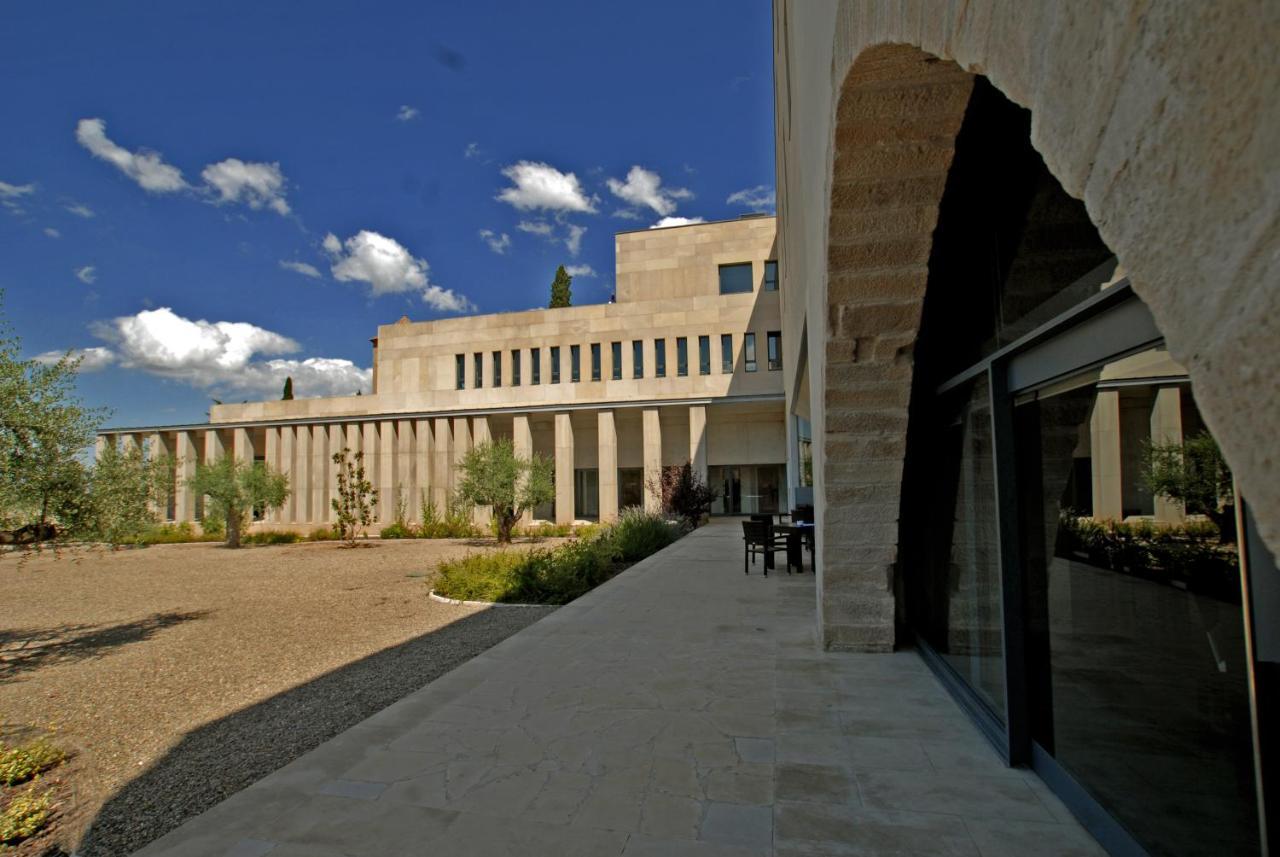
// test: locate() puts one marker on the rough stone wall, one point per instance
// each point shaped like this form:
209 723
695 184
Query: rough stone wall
1160 116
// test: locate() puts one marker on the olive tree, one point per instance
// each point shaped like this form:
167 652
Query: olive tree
125 489
493 475
235 488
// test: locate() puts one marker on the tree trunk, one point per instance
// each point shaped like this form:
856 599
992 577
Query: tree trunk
233 530
506 522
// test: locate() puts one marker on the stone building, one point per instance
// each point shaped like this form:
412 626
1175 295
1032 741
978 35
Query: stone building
1020 243
685 365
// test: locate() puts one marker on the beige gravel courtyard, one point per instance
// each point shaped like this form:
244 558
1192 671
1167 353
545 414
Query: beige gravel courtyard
179 674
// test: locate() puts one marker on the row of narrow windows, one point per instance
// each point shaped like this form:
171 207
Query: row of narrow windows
773 355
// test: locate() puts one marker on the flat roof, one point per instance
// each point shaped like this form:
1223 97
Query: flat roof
759 215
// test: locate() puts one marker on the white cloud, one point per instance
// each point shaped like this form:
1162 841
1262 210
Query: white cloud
536 227
676 221
542 186
51 232
628 214
472 151
388 268
14 191
760 196
407 113
91 359
79 209
644 188
573 240
580 271
87 275
497 243
148 169
220 355
301 268
254 184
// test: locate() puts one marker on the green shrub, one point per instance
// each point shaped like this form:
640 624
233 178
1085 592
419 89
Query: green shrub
560 574
321 534
272 537
173 534
21 763
456 523
547 530
398 531
25 815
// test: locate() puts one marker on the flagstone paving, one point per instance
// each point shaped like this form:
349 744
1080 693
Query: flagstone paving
681 709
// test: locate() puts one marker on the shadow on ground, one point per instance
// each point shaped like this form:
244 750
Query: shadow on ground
219 759
24 650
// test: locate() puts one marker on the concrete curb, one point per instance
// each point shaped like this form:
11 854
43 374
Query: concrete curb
457 603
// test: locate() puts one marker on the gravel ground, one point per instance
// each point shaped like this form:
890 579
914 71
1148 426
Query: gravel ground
179 674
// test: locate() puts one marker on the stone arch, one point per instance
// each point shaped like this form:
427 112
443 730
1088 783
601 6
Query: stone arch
1175 174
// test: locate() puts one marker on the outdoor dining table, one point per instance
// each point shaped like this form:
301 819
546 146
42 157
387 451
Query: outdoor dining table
796 534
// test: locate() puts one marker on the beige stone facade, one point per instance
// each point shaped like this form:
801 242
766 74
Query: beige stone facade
673 371
1157 116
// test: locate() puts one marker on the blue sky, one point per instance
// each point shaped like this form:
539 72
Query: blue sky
161 165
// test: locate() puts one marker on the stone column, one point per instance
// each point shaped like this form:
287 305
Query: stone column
1104 436
301 475
369 446
214 448
404 466
481 435
286 512
461 446
1166 427
607 441
184 507
698 440
442 465
337 442
319 474
100 444
422 453
128 442
242 445
652 428
564 469
156 449
522 441
387 471
272 462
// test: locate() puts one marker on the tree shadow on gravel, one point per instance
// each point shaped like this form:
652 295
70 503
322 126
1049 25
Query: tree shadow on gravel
220 758
24 650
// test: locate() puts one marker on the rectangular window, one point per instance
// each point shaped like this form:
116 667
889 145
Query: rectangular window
770 276
660 358
535 365
773 345
615 351
479 361
682 356
736 279
460 371
704 355
726 353
575 363
497 368
637 358
595 361
555 364
749 351
515 367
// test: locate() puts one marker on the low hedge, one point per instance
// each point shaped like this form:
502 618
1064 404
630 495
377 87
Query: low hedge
561 574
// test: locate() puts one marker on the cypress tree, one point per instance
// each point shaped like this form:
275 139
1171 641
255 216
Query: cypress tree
288 389
560 293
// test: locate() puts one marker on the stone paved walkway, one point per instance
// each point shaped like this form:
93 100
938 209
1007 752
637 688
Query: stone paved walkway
681 709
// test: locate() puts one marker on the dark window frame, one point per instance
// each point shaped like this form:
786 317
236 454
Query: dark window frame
660 358
726 354
497 368
515 367
773 350
704 355
460 371
637 358
615 356
555 364
535 366
478 380
771 282
575 363
749 351
735 270
682 356
595 361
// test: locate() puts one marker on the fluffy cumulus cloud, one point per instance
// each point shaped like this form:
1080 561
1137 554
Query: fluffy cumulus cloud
407 113
538 186
148 169
643 188
303 268
222 355
499 244
389 268
676 221
87 275
256 185
91 359
760 196
573 238
580 271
